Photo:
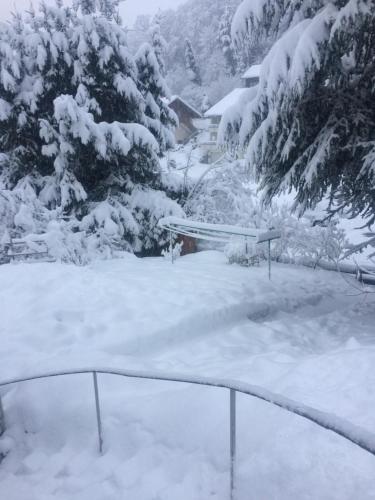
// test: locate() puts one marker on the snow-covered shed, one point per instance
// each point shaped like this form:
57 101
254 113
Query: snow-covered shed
186 114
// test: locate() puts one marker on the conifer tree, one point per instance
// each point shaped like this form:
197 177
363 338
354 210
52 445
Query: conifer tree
158 42
191 64
311 126
73 127
87 6
160 119
225 40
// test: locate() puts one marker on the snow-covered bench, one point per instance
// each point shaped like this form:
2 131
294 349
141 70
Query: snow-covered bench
221 233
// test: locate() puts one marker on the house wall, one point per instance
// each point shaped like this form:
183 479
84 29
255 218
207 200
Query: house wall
210 150
251 82
182 134
186 128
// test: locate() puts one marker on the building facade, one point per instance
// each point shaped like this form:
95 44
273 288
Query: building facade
209 127
186 115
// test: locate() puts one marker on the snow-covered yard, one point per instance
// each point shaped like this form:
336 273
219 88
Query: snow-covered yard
307 335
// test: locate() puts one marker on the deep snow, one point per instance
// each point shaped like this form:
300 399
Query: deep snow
307 335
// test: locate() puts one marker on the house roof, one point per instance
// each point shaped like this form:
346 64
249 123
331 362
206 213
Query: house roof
195 112
227 102
252 72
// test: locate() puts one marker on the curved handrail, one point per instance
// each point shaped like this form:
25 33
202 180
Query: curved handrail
353 433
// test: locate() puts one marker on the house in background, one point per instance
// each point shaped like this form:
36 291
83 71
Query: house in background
251 76
211 151
187 114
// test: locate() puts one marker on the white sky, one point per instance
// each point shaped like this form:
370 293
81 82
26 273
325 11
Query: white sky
130 8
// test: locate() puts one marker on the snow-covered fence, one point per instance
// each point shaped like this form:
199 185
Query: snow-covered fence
220 233
24 250
357 435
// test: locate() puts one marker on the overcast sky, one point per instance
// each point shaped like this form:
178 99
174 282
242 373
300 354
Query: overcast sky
129 10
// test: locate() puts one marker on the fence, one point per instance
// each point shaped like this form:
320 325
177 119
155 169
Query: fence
360 437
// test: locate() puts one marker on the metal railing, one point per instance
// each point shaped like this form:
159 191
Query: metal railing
357 435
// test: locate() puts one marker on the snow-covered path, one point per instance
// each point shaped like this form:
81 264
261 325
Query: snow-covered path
303 335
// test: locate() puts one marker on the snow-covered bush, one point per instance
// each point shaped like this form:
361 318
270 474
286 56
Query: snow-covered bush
176 251
226 196
303 241
21 211
82 126
66 243
243 252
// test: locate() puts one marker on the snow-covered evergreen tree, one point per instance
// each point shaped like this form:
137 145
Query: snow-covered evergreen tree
160 119
110 9
312 124
225 40
191 64
158 42
75 131
87 6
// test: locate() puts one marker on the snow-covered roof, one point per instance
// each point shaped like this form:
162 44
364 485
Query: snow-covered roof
227 102
253 71
178 98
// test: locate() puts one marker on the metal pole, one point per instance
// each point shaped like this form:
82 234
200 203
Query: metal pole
232 440
171 245
269 259
98 417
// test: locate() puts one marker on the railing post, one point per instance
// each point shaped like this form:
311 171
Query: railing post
98 417
171 245
232 441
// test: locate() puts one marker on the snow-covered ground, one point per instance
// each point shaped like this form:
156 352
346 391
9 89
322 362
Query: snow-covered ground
307 334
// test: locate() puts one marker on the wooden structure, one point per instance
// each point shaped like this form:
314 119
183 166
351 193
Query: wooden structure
189 244
186 116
